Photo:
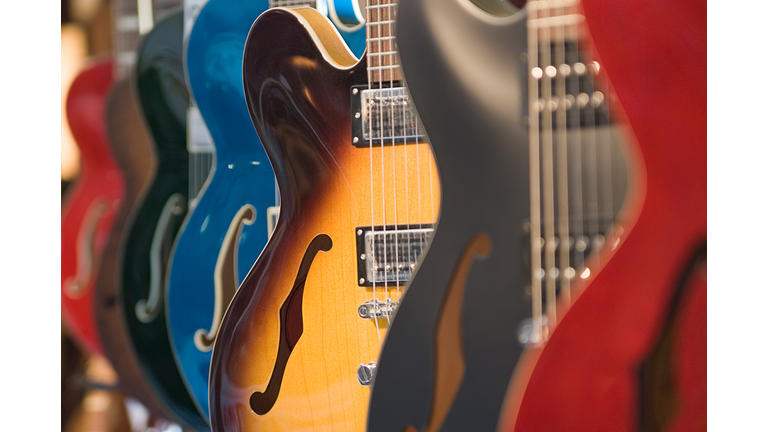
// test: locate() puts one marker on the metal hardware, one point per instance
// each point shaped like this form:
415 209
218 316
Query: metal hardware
377 309
526 334
383 116
389 254
366 373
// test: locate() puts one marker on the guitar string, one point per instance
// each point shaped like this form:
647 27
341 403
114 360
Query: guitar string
593 205
611 209
562 152
533 149
390 42
380 81
371 73
547 168
410 237
579 244
607 216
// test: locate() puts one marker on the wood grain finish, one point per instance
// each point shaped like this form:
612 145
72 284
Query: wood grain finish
298 94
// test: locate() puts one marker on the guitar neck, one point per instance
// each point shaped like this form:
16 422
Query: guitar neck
131 19
126 34
383 61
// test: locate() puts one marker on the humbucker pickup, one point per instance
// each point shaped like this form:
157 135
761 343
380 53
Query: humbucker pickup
389 255
383 116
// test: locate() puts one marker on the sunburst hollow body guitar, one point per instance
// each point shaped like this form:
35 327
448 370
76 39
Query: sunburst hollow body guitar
359 197
238 207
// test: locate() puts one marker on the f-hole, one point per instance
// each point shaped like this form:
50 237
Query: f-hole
291 327
449 341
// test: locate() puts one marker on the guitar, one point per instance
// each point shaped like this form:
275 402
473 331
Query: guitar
637 332
157 216
359 195
88 210
131 149
499 297
238 206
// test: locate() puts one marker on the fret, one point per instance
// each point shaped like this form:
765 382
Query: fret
125 35
381 53
388 5
387 67
385 38
129 17
557 20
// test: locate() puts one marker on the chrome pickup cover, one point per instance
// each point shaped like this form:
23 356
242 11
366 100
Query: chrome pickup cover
383 116
388 255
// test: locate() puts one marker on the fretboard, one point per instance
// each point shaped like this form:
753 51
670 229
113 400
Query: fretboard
132 18
383 62
126 34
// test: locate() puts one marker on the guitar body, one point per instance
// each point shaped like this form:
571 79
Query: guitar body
88 210
132 151
346 17
158 214
292 340
228 228
453 347
651 296
483 184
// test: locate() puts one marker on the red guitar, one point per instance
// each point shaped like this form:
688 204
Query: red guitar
88 209
630 353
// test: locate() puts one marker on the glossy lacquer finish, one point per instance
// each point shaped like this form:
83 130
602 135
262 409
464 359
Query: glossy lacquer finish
291 340
227 230
149 234
89 208
132 150
351 29
602 368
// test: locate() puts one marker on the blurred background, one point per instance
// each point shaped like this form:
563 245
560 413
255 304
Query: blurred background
88 402
85 32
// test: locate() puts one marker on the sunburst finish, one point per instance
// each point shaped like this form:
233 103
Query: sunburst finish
298 94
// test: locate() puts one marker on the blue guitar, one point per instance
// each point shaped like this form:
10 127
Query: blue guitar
238 206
